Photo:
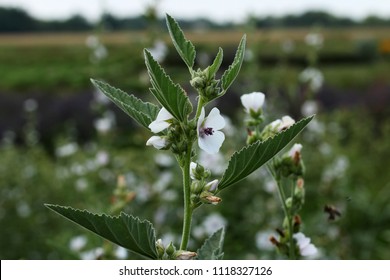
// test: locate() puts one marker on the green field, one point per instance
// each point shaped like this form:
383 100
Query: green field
60 62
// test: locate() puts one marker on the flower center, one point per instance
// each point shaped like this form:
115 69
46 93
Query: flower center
207 131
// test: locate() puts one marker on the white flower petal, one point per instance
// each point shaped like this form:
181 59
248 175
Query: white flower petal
161 121
254 101
215 120
157 142
201 119
158 126
211 143
296 148
192 170
287 121
164 115
309 250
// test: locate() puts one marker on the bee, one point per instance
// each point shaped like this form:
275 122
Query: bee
332 211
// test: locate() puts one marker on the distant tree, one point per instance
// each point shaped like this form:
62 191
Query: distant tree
16 20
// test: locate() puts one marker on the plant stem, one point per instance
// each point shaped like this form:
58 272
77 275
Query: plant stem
199 107
289 218
187 199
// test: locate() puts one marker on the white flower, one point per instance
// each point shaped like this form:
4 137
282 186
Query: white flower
210 139
193 169
77 243
212 186
162 121
284 123
296 148
305 247
157 141
159 51
313 77
314 39
253 101
309 108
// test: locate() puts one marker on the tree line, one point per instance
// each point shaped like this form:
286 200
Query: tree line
18 20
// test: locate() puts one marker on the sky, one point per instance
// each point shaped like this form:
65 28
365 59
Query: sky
217 10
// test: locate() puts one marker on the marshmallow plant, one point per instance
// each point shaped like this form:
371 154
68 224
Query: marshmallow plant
288 171
182 128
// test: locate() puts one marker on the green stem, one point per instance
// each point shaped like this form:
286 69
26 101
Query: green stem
289 219
187 199
200 106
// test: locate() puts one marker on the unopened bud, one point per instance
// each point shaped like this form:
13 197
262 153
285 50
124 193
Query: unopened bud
160 248
197 187
184 255
209 198
212 186
170 250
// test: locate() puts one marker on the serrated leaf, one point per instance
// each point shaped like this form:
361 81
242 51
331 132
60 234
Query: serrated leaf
231 73
142 112
213 68
124 230
212 247
183 46
250 158
170 95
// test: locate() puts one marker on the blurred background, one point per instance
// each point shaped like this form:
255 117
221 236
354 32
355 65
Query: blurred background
63 143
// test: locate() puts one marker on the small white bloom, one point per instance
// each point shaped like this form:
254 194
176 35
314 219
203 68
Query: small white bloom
305 247
253 101
192 169
287 121
159 51
309 108
213 222
77 243
296 148
313 77
284 123
67 150
212 186
162 121
314 39
210 139
157 141
30 105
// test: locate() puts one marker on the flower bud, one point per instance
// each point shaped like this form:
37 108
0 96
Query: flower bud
184 255
212 186
158 142
197 82
209 198
160 248
197 187
170 250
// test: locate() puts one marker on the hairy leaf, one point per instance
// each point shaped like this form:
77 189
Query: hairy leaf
250 158
212 247
231 73
170 95
142 112
213 68
183 46
124 230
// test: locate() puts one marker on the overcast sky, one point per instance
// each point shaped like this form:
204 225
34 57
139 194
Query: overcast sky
218 10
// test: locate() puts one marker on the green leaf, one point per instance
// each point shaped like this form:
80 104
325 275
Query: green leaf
171 96
183 46
250 158
124 230
212 247
142 112
213 68
231 73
